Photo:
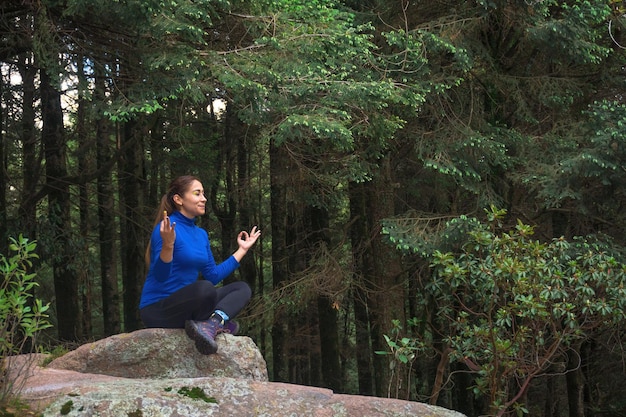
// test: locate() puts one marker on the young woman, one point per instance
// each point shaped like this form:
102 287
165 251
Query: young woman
180 291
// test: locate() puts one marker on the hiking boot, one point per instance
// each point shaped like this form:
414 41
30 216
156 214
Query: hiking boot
204 332
231 327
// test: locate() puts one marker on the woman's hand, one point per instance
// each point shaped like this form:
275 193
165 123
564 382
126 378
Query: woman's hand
245 240
168 235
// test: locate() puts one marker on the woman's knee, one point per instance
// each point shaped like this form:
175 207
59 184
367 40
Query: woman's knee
239 290
244 289
205 290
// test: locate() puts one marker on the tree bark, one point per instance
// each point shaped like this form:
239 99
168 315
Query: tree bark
4 231
225 206
106 222
318 219
85 164
65 279
551 407
575 382
329 343
358 232
131 183
32 166
382 274
248 268
280 256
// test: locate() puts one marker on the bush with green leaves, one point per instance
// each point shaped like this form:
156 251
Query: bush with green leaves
513 308
22 316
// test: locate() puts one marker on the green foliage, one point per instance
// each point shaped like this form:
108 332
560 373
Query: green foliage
307 82
21 316
574 32
589 167
423 234
403 351
509 55
159 47
514 306
605 154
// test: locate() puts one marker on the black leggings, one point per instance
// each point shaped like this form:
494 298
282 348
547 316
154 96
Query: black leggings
196 301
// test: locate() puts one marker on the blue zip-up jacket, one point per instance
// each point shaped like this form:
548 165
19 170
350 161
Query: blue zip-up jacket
192 256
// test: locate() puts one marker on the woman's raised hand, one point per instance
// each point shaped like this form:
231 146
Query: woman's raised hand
167 229
245 240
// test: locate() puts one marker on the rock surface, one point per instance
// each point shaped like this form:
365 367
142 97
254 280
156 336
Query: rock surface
165 353
157 372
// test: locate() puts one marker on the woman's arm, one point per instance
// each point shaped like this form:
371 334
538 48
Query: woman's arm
216 273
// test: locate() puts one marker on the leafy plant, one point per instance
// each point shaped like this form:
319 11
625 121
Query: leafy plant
515 306
403 352
512 308
22 316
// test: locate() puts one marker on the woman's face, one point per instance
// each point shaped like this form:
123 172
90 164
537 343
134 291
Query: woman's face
193 202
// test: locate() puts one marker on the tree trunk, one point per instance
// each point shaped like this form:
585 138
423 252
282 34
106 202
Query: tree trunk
32 166
387 301
251 269
358 232
575 382
381 272
225 206
65 280
551 405
248 268
329 343
301 350
280 258
106 222
3 178
156 174
326 315
132 235
463 398
85 164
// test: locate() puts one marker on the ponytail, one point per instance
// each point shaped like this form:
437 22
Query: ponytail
166 204
178 186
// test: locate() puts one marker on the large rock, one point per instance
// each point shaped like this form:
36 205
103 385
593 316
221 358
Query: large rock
165 353
158 373
226 397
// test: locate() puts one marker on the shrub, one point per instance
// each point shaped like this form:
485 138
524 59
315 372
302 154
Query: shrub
509 308
22 316
516 306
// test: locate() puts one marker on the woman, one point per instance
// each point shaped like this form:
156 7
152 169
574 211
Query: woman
173 296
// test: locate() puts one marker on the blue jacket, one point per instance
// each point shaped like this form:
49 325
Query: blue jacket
192 257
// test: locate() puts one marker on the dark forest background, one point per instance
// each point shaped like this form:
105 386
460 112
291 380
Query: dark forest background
402 158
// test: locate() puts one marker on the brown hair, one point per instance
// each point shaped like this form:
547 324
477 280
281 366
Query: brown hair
180 186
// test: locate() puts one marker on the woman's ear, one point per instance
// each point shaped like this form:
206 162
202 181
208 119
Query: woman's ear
178 199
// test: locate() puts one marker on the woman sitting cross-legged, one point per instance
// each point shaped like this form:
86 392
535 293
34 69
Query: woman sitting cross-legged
180 289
